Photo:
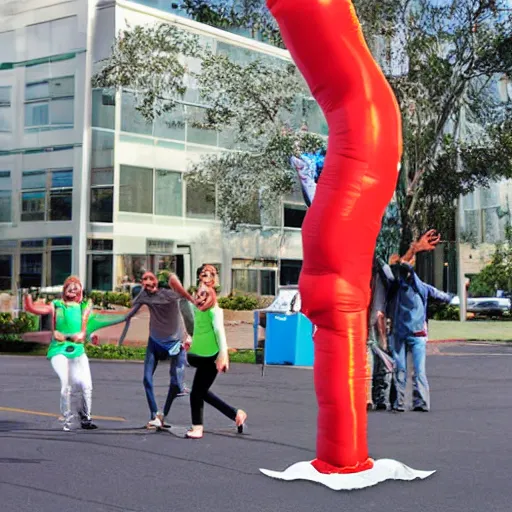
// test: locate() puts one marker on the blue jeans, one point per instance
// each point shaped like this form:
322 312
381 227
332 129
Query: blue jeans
156 352
421 392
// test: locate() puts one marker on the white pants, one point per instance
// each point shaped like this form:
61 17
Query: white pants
75 382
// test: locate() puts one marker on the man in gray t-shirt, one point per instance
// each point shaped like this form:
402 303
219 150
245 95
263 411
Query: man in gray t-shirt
167 335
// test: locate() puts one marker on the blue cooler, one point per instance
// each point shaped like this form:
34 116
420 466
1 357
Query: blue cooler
289 339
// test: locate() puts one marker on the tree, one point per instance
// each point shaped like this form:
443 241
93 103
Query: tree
456 135
497 275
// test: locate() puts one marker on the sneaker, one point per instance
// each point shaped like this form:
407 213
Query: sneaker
161 417
420 408
155 423
66 428
88 425
185 392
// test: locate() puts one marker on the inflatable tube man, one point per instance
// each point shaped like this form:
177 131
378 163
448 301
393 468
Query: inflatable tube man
340 230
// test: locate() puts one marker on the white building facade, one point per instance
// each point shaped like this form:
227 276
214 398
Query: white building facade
88 187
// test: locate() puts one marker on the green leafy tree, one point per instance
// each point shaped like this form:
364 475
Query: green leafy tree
497 275
457 136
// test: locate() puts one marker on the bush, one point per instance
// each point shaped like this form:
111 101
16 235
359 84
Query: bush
239 302
438 311
25 322
106 300
115 352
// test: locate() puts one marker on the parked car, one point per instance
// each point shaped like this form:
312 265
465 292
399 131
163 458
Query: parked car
486 306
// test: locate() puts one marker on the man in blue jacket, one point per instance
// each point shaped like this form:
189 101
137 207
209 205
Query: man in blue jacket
408 311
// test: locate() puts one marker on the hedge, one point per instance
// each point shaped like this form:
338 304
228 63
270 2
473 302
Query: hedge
26 322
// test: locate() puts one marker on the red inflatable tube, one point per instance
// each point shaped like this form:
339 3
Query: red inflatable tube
339 233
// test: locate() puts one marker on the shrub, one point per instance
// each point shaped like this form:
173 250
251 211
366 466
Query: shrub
444 312
106 300
115 352
25 322
239 302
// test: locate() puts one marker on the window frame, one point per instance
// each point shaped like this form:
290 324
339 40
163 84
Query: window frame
109 168
253 265
47 190
7 104
48 100
300 206
8 175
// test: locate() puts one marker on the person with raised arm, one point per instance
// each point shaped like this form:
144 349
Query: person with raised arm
67 351
167 336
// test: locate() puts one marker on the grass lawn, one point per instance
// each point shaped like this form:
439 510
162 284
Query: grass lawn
473 330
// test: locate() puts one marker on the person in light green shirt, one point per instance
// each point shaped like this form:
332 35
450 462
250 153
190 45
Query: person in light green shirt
208 353
74 322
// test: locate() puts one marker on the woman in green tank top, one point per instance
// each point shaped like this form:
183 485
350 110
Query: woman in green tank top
73 322
208 353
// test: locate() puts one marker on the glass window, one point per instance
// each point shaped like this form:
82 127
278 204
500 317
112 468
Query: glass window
33 179
37 90
171 125
62 87
468 201
61 205
294 215
5 205
62 111
61 241
131 120
50 103
5 109
5 119
5 272
60 266
169 193
37 114
490 196
102 204
62 179
196 132
33 206
290 271
136 189
103 108
101 271
31 270
100 244
201 201
245 280
102 149
101 177
5 196
268 282
31 244
5 95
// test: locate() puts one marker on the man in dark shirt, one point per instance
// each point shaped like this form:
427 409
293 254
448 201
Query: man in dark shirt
167 335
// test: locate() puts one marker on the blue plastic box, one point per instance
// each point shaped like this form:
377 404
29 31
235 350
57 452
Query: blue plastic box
289 340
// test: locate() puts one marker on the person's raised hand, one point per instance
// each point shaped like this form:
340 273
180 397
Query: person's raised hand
428 241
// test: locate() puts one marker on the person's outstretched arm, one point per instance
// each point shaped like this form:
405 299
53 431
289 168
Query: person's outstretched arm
220 333
38 309
129 316
176 285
